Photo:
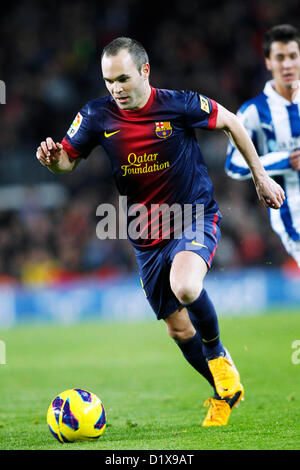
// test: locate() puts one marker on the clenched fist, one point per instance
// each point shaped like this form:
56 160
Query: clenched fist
269 192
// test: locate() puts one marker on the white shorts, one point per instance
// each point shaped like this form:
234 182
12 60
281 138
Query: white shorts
291 246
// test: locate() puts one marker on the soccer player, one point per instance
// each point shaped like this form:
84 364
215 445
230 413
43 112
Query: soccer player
272 120
149 137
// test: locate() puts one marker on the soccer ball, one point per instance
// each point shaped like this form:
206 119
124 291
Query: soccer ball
76 415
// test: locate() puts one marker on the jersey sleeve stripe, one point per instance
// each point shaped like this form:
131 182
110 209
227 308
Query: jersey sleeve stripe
71 151
213 115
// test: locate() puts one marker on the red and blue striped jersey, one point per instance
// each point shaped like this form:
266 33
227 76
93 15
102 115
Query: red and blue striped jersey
154 153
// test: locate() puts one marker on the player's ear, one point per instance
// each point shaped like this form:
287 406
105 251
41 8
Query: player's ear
267 63
146 71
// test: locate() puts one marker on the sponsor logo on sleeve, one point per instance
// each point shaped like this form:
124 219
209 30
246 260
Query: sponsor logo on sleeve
204 104
75 125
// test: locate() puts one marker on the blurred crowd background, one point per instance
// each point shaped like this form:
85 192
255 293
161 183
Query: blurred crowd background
50 62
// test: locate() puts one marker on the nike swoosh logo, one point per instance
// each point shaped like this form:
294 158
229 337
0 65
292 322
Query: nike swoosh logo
108 134
199 244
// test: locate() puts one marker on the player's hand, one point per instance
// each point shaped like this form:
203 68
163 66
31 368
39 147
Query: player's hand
295 160
269 192
49 152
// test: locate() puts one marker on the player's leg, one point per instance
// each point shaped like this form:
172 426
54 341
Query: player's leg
202 344
291 246
295 251
181 329
186 279
154 267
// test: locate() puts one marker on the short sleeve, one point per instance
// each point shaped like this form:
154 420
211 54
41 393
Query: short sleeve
79 140
200 111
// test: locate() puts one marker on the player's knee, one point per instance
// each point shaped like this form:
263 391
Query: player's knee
187 292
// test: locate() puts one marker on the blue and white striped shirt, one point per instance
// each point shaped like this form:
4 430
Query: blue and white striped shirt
273 124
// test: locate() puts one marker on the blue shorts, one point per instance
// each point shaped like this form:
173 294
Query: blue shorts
155 264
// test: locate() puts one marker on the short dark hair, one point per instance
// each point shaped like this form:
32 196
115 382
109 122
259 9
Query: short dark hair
282 33
135 49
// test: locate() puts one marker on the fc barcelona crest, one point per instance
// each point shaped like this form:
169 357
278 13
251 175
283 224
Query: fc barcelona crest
163 129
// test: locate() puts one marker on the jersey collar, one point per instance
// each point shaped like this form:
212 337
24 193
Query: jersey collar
138 112
270 91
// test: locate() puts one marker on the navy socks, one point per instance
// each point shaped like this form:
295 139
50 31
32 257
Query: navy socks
205 344
192 351
205 320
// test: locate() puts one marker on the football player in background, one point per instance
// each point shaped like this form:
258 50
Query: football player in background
272 120
149 137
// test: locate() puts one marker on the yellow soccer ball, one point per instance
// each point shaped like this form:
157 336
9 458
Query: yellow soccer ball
76 415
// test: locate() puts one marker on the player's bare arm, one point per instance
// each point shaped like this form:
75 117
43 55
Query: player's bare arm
295 160
269 192
54 157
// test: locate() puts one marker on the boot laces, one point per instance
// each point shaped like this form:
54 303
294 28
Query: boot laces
218 409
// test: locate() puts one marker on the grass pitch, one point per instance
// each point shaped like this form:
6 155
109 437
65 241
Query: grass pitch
153 398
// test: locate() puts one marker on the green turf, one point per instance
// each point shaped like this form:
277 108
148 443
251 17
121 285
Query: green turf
153 398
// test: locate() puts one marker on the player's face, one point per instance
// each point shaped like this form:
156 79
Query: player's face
129 87
284 64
